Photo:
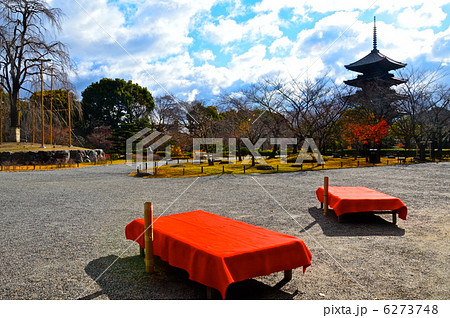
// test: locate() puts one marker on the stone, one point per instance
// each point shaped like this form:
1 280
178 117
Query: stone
61 156
30 157
18 158
5 156
100 154
92 155
264 167
141 174
75 156
51 157
44 157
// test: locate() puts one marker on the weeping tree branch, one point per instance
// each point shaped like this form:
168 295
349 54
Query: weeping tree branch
26 32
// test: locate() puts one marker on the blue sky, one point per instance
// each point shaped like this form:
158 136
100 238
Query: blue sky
200 49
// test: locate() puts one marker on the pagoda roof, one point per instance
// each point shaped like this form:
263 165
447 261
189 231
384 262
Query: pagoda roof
374 62
362 81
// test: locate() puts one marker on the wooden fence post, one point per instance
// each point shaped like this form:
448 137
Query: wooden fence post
148 237
325 195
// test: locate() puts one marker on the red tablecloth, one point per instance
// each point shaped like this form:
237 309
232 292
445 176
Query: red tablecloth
360 199
217 251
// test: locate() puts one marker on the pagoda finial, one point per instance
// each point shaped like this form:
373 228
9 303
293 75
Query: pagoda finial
375 33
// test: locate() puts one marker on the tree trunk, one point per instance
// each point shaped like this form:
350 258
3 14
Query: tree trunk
440 145
15 134
407 142
274 152
14 117
239 149
422 150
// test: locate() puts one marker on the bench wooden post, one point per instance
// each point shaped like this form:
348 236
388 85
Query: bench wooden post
288 275
148 237
209 293
394 217
325 195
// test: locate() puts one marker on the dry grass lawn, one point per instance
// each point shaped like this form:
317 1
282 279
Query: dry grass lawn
28 146
197 170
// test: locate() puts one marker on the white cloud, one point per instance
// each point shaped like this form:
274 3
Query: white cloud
226 31
247 64
308 6
340 32
441 47
401 44
215 78
281 45
391 7
427 16
205 55
176 40
192 95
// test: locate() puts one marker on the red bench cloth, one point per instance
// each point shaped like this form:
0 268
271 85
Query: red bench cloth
361 199
217 251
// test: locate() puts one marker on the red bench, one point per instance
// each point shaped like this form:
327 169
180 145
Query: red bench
360 199
217 251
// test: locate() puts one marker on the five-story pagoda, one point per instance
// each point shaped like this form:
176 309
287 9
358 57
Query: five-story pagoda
375 82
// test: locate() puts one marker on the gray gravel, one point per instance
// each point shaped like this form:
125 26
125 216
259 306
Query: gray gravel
62 233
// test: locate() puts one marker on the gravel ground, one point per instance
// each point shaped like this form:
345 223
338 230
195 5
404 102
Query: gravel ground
62 233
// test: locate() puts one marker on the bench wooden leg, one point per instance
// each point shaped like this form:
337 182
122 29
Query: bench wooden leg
209 293
287 278
288 275
321 205
141 251
394 217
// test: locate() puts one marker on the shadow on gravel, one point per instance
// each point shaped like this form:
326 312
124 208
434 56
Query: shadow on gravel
126 279
354 224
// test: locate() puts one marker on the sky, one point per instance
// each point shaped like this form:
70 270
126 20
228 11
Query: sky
203 48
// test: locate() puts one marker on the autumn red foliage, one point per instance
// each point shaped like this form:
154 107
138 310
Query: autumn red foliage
366 133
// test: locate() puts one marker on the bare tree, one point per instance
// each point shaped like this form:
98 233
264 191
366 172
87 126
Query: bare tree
167 115
425 107
311 107
245 118
25 34
236 113
266 96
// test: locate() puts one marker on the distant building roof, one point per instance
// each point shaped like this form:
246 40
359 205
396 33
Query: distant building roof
385 78
374 62
375 66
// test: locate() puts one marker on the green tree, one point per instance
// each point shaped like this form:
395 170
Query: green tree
115 103
202 120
